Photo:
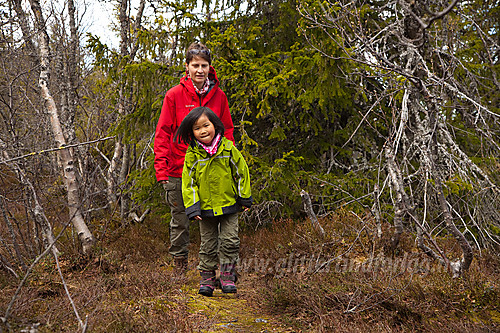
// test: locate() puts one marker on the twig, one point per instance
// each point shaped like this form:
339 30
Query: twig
55 149
329 261
138 219
7 267
28 272
82 325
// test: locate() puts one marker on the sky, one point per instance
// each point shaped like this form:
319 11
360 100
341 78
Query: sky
97 21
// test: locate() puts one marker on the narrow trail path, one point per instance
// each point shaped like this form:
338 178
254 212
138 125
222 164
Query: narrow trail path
227 312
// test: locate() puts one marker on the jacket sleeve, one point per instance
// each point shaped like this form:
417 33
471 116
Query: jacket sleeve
226 119
163 137
190 188
241 176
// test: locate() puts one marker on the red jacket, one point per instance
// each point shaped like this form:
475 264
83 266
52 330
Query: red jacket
169 156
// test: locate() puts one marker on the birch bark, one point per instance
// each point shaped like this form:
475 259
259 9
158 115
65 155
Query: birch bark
75 214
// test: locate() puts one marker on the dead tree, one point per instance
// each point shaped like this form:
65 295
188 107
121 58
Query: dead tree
402 50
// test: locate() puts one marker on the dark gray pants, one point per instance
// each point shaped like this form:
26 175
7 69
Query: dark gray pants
219 241
179 224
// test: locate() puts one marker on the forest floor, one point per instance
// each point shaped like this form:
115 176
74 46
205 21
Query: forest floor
290 281
228 312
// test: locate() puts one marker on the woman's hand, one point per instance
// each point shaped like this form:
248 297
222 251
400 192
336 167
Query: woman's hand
198 217
245 208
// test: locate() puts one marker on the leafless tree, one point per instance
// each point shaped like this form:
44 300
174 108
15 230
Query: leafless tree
40 52
22 213
67 161
32 118
407 52
119 164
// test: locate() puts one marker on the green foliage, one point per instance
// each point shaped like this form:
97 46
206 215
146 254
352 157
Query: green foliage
288 96
146 191
458 186
300 114
292 105
280 181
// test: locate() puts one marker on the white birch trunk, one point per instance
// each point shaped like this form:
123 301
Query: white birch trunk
85 236
110 178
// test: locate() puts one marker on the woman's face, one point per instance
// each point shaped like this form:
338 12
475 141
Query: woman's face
204 130
198 71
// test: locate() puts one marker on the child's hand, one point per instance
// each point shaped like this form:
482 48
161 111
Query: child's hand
198 217
245 208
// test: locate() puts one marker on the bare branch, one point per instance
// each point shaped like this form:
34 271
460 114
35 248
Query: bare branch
306 201
53 149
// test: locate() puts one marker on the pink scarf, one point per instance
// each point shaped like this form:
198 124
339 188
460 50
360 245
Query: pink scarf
212 149
203 90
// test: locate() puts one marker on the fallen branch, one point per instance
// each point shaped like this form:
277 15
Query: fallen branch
83 325
55 149
136 217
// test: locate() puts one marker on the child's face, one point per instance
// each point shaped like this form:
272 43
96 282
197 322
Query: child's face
204 130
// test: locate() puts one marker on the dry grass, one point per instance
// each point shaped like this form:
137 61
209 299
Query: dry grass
129 286
393 297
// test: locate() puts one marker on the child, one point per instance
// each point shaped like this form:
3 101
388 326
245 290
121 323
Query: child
215 187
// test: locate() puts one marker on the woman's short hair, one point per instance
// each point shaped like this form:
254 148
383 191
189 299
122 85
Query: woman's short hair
198 50
185 131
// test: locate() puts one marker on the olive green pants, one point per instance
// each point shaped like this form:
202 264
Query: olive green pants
179 224
219 241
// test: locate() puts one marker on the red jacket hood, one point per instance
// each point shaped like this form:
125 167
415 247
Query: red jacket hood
178 102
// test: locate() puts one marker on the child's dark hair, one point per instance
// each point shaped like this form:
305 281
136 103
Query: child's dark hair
185 130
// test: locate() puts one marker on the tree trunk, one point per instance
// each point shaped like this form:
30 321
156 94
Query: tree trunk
396 184
85 236
122 180
70 69
457 267
23 22
117 172
306 201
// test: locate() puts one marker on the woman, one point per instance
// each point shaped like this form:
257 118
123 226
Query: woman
200 87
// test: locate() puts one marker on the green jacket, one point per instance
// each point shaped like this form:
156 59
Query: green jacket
215 185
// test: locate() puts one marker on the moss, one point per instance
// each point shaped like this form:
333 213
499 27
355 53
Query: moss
495 316
229 312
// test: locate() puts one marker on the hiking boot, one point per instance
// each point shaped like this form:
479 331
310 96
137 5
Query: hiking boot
207 283
181 265
228 278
